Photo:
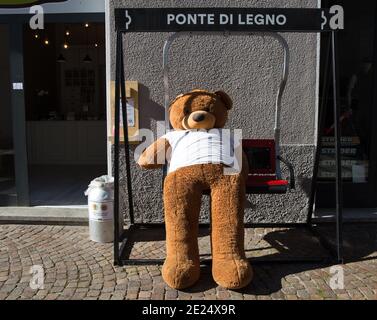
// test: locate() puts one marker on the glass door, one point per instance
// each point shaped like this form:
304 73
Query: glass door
358 93
8 193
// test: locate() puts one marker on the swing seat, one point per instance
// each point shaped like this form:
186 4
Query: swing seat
265 184
264 168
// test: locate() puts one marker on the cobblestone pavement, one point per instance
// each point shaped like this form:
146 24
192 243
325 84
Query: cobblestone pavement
76 268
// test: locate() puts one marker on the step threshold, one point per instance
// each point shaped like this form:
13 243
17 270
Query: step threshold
349 215
67 215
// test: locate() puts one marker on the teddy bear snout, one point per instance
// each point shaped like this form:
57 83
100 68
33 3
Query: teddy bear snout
200 120
198 117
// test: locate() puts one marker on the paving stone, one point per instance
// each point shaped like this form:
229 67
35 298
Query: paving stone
107 290
171 294
52 296
93 293
95 286
117 297
104 296
145 294
131 296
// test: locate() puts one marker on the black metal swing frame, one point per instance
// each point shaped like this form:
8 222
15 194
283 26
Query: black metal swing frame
296 20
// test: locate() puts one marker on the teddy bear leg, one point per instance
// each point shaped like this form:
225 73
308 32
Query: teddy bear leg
230 268
182 199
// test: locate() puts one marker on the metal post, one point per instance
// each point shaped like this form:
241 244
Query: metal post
125 135
321 122
338 158
116 149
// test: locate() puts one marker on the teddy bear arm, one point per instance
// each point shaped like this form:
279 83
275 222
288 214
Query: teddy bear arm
156 155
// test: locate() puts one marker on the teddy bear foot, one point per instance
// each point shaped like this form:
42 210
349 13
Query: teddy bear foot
180 275
232 273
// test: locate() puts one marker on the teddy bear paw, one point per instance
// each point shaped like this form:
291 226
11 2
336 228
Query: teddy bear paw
232 273
180 275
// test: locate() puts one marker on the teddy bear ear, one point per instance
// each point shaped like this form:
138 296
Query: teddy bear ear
200 90
225 98
175 99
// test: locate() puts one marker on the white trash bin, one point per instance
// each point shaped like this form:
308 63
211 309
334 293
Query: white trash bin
101 209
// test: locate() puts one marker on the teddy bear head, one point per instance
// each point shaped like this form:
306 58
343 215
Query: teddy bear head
200 109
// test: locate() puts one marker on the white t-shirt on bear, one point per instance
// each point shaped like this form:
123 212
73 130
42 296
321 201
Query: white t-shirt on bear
191 147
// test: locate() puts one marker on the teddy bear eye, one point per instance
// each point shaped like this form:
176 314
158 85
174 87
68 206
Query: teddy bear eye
186 111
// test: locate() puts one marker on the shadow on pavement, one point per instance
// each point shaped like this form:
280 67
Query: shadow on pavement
275 247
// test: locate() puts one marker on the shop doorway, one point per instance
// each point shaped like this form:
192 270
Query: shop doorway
65 110
358 85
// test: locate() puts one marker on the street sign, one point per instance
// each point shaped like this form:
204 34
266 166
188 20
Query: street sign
228 19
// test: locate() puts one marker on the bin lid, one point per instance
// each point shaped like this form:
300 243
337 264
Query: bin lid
101 182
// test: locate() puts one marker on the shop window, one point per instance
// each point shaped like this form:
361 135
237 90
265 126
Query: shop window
357 70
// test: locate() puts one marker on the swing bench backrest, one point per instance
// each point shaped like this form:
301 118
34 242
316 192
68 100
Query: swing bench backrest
263 154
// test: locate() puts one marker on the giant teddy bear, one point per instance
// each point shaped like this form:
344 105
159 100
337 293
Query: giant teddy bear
197 162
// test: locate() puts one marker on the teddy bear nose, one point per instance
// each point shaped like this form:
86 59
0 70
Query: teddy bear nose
198 117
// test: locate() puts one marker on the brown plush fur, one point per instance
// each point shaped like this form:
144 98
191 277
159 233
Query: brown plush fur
213 105
183 190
